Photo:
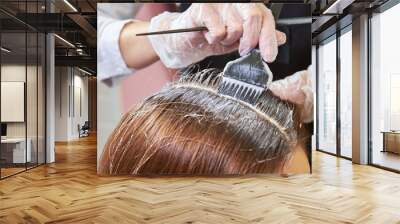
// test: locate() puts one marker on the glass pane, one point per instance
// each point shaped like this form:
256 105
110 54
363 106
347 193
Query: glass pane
385 84
41 99
32 86
31 97
346 94
327 97
22 88
13 89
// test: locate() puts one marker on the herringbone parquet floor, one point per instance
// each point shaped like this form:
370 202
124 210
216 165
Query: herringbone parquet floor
69 191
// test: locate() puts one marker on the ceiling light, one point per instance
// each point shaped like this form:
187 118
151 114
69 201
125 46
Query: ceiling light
80 51
5 50
65 41
70 5
84 71
337 7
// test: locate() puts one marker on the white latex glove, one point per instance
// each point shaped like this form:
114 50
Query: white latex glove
297 89
230 26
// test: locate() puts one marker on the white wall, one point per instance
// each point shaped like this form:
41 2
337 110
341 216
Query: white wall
61 103
71 93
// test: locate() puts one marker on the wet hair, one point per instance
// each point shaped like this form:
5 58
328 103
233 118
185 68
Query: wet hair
189 129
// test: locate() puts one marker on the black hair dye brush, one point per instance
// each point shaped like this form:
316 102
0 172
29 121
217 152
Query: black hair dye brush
246 77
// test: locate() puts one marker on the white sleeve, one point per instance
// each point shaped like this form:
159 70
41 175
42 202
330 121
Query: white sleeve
110 63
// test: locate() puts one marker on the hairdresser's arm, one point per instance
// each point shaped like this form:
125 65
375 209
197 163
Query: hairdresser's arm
120 55
230 27
137 51
111 64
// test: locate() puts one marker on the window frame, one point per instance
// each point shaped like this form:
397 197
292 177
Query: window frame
333 37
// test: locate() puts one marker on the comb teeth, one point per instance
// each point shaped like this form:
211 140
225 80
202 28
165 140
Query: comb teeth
240 90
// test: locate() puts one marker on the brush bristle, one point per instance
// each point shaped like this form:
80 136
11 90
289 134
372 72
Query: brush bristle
240 90
246 78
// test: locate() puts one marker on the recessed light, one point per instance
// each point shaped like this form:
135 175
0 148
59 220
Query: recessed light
64 40
84 71
5 49
337 7
70 5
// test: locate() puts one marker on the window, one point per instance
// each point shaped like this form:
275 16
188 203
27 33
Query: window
385 89
327 97
346 93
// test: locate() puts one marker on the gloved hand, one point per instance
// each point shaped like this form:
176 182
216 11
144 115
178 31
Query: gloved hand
297 89
230 26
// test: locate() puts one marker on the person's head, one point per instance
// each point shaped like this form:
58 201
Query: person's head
188 128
